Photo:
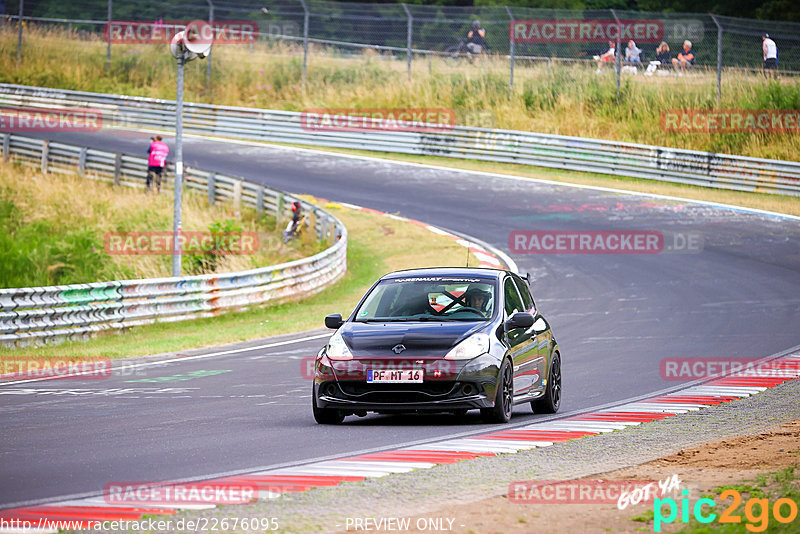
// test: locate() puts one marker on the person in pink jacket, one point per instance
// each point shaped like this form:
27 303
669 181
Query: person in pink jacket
155 162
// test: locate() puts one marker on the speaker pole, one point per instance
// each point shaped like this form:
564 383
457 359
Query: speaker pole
176 217
184 47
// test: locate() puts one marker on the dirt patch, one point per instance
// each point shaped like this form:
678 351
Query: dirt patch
729 461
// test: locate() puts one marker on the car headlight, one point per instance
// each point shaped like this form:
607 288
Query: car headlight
337 348
472 347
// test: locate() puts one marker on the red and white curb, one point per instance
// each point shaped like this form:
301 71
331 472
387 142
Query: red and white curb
275 482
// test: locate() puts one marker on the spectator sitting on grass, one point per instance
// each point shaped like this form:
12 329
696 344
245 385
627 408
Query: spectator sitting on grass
633 53
606 57
662 54
685 57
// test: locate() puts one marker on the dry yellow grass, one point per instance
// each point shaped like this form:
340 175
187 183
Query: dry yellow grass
565 99
377 245
65 202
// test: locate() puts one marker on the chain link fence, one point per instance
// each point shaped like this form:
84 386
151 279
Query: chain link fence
411 33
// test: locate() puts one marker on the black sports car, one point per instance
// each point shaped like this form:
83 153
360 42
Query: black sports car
439 340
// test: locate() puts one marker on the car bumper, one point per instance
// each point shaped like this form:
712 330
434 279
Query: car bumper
375 405
459 385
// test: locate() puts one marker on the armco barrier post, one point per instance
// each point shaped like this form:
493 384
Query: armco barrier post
312 226
117 167
237 198
82 161
45 154
6 146
211 188
260 200
279 210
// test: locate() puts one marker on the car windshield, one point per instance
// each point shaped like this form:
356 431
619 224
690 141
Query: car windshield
431 298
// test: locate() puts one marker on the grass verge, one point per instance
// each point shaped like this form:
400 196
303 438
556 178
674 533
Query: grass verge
751 506
58 230
567 99
377 245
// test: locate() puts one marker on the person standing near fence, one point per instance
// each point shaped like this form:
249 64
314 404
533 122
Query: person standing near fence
770 50
156 160
476 42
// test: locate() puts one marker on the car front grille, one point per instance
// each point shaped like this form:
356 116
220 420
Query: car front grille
398 393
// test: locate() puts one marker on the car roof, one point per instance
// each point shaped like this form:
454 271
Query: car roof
447 271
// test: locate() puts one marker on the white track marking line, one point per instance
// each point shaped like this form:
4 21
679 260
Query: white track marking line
374 466
492 174
471 445
516 443
99 502
328 472
735 390
180 359
568 424
385 464
572 428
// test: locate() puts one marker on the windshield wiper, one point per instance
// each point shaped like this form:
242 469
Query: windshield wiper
400 319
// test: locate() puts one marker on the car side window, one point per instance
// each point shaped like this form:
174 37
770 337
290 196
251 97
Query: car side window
513 302
527 299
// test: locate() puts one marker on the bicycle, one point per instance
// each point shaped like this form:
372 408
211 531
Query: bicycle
454 55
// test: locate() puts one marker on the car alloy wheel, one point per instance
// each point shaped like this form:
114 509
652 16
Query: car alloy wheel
551 401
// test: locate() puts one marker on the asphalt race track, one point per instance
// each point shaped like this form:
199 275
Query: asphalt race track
616 316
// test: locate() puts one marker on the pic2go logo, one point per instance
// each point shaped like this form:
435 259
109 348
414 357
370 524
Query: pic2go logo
756 511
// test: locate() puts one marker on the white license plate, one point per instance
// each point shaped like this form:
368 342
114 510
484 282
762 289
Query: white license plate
406 376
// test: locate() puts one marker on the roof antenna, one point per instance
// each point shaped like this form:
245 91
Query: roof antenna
467 248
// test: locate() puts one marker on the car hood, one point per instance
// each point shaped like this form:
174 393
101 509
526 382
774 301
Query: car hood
424 340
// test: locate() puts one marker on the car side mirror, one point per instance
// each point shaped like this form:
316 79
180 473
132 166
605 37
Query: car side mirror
334 321
519 320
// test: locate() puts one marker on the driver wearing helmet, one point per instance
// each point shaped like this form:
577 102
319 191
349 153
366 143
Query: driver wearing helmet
478 298
475 38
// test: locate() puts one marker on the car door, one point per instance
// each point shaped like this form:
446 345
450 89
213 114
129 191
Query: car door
522 345
540 332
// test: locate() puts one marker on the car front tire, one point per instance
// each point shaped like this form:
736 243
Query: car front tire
325 416
504 398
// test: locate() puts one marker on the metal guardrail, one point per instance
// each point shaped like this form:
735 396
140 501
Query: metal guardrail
543 150
36 314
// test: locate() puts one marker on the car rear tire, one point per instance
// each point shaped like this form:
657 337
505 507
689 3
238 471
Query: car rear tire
325 416
551 401
504 398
